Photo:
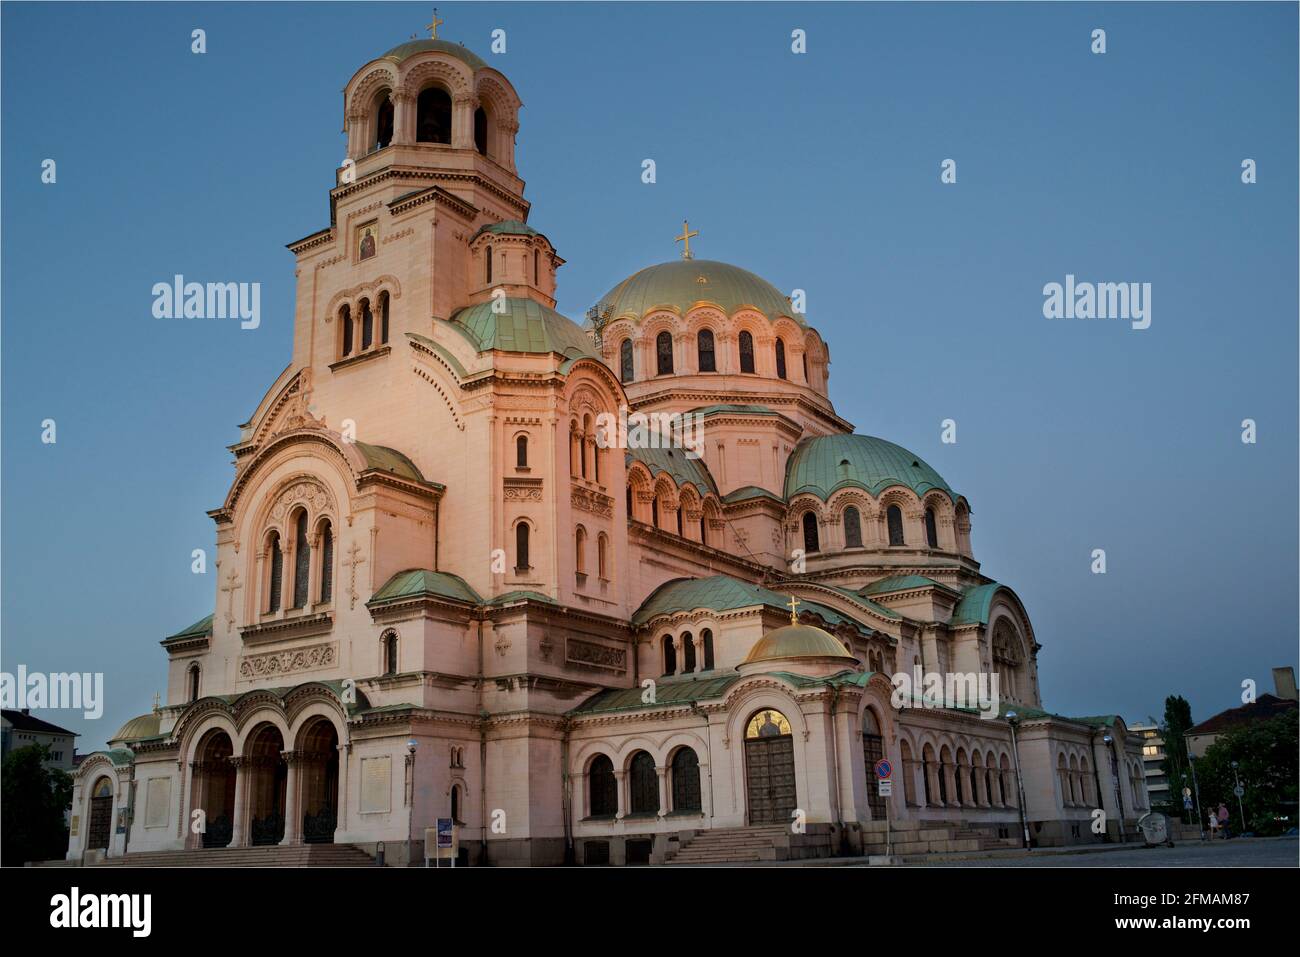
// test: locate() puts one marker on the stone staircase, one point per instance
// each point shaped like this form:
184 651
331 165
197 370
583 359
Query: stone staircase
293 855
734 845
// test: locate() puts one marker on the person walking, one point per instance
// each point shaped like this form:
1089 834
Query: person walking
1214 825
1224 819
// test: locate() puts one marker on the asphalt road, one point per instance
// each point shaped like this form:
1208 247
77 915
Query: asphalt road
1241 852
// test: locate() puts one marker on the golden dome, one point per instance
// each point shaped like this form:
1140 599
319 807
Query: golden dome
798 641
144 726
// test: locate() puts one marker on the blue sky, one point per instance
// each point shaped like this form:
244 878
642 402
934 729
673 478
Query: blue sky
817 171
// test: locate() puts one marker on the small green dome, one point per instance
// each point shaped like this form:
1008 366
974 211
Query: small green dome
684 283
409 49
797 641
826 463
525 326
144 726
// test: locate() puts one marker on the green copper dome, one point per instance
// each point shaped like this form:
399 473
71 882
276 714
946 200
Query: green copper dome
682 284
143 726
409 49
824 464
525 326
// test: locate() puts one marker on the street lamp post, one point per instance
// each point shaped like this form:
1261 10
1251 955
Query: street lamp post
1114 777
1196 788
411 745
1013 719
1237 790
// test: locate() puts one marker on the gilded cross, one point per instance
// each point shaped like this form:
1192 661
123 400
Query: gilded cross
156 699
354 559
232 585
685 237
434 24
793 604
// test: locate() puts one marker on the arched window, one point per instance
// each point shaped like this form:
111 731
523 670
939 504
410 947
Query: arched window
805 369
894 519
455 803
383 121
746 352
345 320
704 349
194 683
810 543
686 780
521 547
521 452
301 561
537 267
367 325
688 653
480 130
654 511
852 528
604 787
670 655
628 503
326 562
433 116
383 318
643 785
664 353
580 550
873 750
390 652
602 556
487 264
625 361
707 635
931 533
780 358
277 574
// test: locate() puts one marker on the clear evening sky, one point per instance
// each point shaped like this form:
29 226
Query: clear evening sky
817 171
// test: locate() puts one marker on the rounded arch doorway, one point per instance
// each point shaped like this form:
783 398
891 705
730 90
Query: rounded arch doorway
318 763
101 815
769 768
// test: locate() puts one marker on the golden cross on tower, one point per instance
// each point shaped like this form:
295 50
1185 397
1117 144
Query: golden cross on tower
794 603
434 24
156 699
685 237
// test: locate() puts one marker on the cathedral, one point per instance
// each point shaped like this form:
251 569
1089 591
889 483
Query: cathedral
442 591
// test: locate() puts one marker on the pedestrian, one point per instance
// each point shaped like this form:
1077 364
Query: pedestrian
1224 818
1214 824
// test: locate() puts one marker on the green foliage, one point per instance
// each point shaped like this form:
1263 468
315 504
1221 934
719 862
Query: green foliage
1267 766
1178 719
32 802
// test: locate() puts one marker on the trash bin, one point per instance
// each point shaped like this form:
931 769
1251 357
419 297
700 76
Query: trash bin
1155 829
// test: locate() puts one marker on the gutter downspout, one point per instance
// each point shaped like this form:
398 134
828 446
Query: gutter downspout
1020 785
566 796
835 768
1096 771
482 754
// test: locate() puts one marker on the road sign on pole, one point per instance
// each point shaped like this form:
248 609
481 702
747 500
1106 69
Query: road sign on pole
1239 790
886 788
884 769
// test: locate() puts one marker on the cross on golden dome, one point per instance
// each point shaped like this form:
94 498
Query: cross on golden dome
685 237
434 24
793 604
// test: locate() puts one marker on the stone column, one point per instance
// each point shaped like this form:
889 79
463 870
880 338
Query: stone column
198 795
239 821
932 772
662 773
620 778
699 652
462 120
403 118
292 799
506 130
950 783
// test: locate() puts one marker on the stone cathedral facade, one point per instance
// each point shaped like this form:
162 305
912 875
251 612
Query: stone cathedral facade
440 592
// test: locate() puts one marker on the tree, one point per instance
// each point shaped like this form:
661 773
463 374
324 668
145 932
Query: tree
32 801
1267 767
1178 719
